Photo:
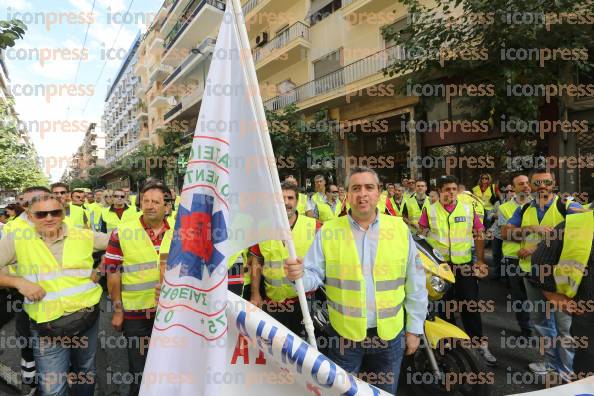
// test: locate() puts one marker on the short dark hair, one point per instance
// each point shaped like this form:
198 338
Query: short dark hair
540 171
16 207
78 190
448 179
329 187
516 176
36 189
290 186
157 185
60 184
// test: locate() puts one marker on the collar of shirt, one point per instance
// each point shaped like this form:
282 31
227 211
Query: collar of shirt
354 223
535 202
150 231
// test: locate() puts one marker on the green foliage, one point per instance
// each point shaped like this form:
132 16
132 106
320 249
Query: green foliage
481 30
10 31
18 160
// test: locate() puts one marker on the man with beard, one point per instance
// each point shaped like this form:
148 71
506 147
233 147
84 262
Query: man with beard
395 204
529 225
281 300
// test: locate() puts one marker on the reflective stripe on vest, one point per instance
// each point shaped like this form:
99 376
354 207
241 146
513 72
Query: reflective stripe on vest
551 218
141 265
278 288
510 248
577 246
451 233
67 285
345 283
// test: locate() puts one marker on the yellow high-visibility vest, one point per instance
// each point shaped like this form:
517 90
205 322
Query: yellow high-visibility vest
302 204
552 218
68 284
141 265
326 213
345 282
451 233
76 218
475 202
412 208
485 196
111 220
94 211
510 248
577 246
278 287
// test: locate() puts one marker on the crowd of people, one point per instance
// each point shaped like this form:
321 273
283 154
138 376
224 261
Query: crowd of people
84 263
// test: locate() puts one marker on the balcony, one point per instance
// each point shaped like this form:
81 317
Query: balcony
263 7
159 71
334 83
159 101
156 44
172 16
175 109
286 49
199 19
194 59
353 7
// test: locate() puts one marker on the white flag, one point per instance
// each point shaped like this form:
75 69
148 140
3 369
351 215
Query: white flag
231 200
228 203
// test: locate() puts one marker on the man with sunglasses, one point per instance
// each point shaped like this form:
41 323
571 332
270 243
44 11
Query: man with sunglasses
529 225
75 214
117 212
22 324
331 208
54 273
132 263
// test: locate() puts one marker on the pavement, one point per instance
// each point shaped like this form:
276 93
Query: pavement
510 376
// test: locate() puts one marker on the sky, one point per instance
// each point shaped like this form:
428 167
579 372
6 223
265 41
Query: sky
59 87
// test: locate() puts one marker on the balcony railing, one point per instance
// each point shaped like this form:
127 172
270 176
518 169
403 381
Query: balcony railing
297 30
355 71
173 110
209 41
186 18
249 6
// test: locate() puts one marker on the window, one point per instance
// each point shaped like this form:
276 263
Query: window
323 12
397 27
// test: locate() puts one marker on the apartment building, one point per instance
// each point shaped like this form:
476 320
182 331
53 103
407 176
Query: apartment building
119 116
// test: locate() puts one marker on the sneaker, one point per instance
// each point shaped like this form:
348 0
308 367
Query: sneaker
540 368
487 355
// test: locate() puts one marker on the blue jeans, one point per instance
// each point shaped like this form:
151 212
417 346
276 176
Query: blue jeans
373 360
68 360
553 329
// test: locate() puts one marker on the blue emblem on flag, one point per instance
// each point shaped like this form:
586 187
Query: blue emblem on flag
197 231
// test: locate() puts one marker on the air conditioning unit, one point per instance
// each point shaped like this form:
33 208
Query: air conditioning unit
261 39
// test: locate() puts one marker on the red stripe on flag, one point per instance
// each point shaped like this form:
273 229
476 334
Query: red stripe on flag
209 162
196 288
213 190
192 309
192 331
211 138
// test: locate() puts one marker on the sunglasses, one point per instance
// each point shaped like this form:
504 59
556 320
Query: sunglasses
60 192
334 192
119 196
547 182
42 214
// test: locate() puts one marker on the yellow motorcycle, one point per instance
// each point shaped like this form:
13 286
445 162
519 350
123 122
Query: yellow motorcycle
446 361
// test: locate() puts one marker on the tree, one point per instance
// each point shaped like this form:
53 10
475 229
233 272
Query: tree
10 31
477 41
18 159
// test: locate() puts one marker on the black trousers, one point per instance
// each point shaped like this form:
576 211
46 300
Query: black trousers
138 335
582 326
518 292
288 313
457 299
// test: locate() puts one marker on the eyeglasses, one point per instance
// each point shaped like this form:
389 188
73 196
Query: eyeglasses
546 182
107 196
60 192
119 196
42 214
334 192
484 178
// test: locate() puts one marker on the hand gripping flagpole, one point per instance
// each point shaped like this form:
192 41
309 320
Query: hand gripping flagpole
256 102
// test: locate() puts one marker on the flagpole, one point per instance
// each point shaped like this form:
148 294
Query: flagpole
259 107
